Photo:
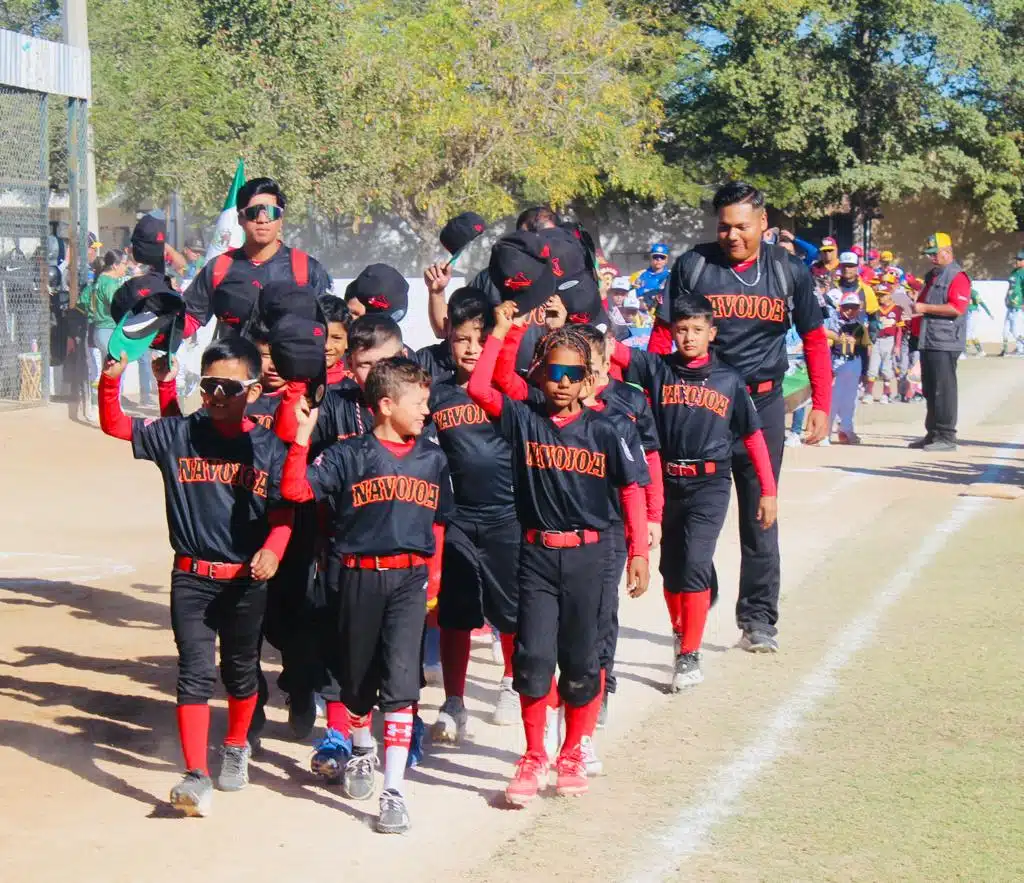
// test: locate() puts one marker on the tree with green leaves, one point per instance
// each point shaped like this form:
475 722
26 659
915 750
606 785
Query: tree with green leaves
827 106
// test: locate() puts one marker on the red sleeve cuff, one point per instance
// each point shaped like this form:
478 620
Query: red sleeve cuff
505 377
167 393
286 424
434 566
479 388
660 341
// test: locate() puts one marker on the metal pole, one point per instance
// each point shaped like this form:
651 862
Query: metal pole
76 33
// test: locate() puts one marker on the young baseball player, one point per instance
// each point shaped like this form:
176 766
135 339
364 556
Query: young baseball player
887 343
848 334
221 475
702 410
338 317
565 459
974 347
272 384
391 492
481 554
628 408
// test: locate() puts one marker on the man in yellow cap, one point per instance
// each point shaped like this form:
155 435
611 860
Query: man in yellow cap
940 329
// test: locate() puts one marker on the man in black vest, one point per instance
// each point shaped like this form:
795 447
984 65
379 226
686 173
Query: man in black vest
940 329
229 285
758 290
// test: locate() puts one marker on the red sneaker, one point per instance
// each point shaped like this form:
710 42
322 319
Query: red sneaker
572 773
530 777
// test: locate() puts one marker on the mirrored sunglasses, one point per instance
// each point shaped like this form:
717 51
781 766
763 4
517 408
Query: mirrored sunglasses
223 386
574 373
253 212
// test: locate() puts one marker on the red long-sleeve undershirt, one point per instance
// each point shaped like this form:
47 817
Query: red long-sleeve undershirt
286 424
757 449
634 517
114 422
505 376
479 387
654 493
167 393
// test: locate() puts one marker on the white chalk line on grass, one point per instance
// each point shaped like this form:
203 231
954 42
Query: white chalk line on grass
721 797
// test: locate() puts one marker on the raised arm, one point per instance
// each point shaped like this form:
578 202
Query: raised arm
505 376
113 421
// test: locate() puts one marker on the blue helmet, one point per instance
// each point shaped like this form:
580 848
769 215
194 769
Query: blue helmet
659 248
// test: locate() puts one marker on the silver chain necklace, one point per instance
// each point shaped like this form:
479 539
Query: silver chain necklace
757 278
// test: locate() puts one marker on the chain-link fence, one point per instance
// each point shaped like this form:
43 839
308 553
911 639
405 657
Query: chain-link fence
43 242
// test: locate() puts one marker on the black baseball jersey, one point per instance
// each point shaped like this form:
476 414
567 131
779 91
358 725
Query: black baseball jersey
342 414
630 402
699 412
217 489
564 476
752 315
265 407
244 280
478 454
437 361
383 504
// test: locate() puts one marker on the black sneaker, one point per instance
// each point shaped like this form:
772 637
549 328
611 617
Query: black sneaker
193 795
357 781
754 641
602 715
234 768
394 814
687 672
921 443
940 446
301 715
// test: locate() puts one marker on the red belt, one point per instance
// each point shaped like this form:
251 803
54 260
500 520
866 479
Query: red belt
690 468
216 570
557 539
382 562
759 388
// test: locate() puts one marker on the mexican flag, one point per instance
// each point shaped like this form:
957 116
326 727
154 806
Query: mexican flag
228 234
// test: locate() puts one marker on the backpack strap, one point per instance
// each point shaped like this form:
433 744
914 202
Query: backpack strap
300 267
690 267
784 276
221 265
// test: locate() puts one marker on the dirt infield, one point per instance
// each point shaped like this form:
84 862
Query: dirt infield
88 748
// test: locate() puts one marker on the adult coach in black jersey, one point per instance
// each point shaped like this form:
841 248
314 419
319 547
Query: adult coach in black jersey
229 285
757 290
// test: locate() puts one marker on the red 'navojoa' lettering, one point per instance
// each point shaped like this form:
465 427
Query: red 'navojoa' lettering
748 306
195 470
695 396
459 415
401 488
565 459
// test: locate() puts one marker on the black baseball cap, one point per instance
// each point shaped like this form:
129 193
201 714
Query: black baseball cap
381 289
460 231
582 299
520 271
234 302
148 241
565 253
285 298
297 345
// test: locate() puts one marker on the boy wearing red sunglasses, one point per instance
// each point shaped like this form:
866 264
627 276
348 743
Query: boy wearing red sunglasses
566 460
229 531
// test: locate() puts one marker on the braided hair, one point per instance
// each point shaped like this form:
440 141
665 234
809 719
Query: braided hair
569 337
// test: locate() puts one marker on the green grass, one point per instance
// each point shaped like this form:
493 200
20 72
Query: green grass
914 769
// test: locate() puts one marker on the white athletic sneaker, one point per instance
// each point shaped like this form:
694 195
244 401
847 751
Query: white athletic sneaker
793 440
867 398
884 400
432 675
687 672
593 763
508 711
452 720
553 733
825 442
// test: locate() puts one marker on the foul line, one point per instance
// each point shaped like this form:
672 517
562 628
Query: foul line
721 797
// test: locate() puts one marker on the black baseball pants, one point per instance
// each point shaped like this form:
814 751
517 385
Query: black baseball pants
480 576
560 592
757 607
375 655
609 624
203 609
694 515
939 385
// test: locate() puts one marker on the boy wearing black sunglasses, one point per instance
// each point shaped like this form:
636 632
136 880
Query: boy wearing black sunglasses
229 531
566 459
228 286
702 410
391 494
